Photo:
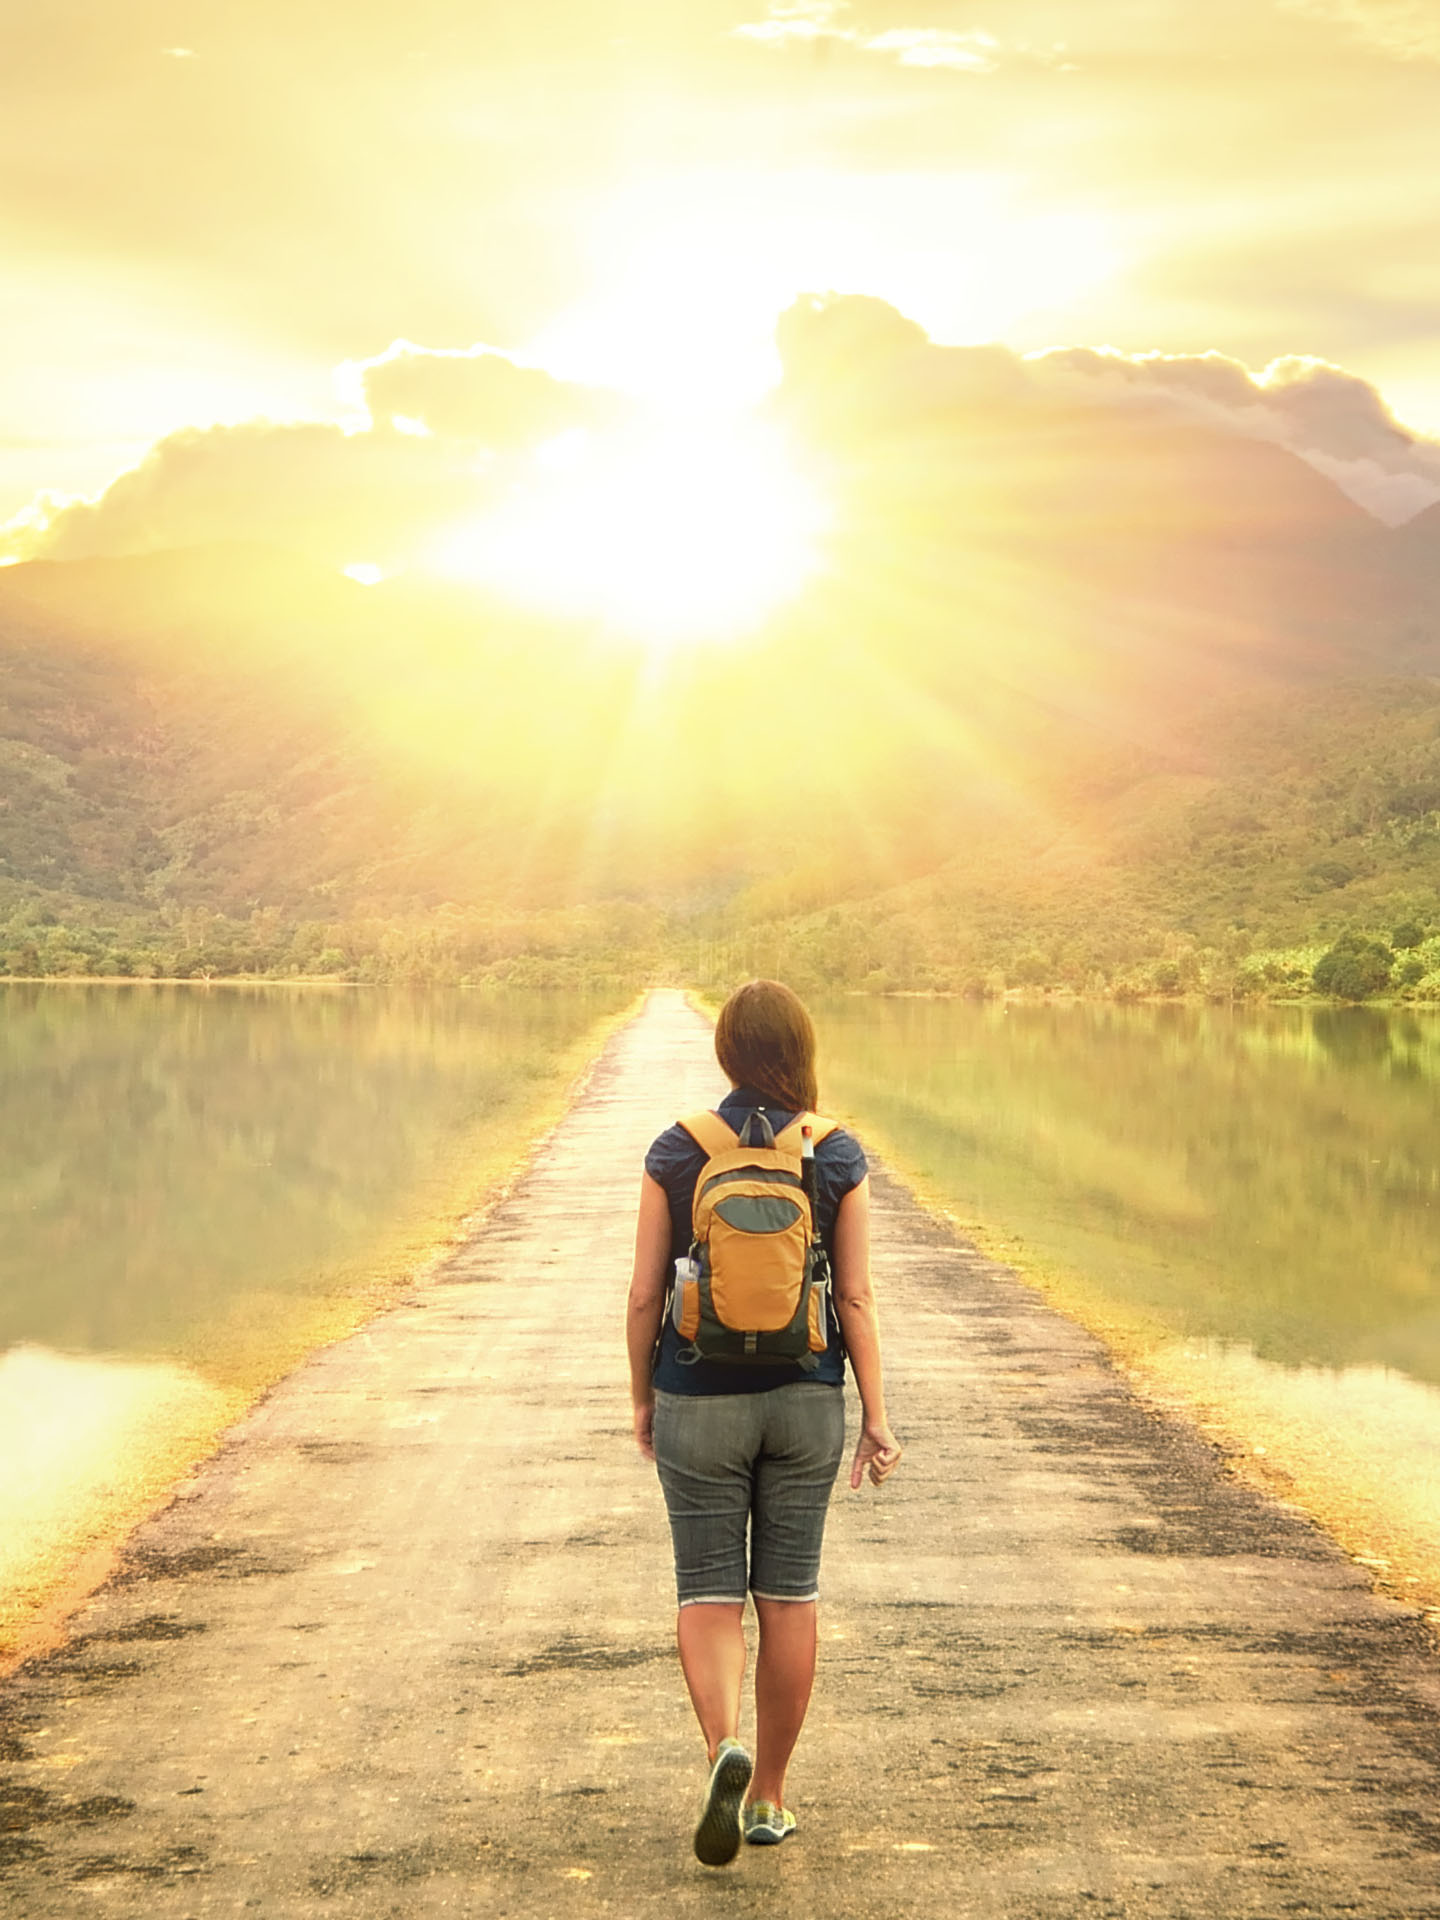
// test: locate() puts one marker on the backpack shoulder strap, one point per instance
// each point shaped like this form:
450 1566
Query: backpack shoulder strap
710 1133
789 1140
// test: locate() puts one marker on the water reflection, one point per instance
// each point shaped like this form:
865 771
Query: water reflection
199 1185
1355 1036
86 1442
1359 1445
1269 1176
186 1171
1244 1200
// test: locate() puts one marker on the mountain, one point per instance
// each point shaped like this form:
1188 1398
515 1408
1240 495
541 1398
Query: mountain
1069 679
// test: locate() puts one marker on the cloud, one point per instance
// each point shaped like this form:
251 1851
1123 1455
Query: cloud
816 22
473 393
442 432
1407 29
936 47
314 487
1336 421
1391 495
447 435
855 362
805 20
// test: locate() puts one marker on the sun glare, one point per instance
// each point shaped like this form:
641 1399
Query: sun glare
670 533
967 254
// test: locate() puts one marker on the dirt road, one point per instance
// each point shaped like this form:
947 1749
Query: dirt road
404 1646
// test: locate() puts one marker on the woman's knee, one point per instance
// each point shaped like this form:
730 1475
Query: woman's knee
784 1617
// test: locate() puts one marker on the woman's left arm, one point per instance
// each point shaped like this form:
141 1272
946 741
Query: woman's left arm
878 1451
646 1304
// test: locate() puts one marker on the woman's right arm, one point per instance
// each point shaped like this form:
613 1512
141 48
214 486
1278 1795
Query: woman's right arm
646 1305
878 1449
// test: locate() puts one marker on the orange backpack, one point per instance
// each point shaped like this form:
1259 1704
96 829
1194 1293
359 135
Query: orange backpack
755 1285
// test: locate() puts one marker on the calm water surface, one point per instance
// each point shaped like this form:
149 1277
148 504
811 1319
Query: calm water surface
196 1187
1250 1197
1268 1176
183 1167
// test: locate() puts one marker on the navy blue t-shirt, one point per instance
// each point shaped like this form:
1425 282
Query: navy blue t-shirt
675 1161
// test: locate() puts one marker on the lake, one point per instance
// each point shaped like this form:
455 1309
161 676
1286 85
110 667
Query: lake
203 1183
1244 1201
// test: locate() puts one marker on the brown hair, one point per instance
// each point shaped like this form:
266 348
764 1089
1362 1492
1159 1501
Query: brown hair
764 1039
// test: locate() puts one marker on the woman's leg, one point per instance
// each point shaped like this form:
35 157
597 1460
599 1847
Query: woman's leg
704 1445
784 1675
803 1441
711 1640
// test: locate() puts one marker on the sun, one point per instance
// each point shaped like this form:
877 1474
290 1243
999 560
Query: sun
672 531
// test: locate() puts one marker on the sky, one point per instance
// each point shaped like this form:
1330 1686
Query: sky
209 208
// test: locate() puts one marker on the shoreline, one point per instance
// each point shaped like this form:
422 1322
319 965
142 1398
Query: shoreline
36 1608
1395 1562
281 980
1012 996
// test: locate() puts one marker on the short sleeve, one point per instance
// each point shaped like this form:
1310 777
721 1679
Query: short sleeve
841 1162
667 1154
674 1160
846 1163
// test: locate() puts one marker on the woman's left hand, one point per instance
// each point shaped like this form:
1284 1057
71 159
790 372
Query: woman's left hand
877 1453
645 1429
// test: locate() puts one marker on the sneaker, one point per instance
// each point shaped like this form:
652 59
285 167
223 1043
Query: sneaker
766 1825
717 1838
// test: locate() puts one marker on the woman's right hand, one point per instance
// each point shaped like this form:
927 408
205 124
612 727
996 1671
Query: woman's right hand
876 1450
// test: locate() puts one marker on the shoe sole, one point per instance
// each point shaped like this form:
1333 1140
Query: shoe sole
766 1836
717 1838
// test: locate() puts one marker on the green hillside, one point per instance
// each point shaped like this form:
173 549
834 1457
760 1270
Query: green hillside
1298 819
1132 707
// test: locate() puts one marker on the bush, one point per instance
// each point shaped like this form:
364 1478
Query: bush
1414 800
1354 968
1407 935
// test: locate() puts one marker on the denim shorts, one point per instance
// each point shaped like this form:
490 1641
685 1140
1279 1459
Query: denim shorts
758 1462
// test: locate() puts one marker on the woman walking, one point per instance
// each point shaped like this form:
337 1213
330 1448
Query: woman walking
746 1427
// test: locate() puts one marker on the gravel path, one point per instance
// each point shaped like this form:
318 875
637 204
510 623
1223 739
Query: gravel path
404 1646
